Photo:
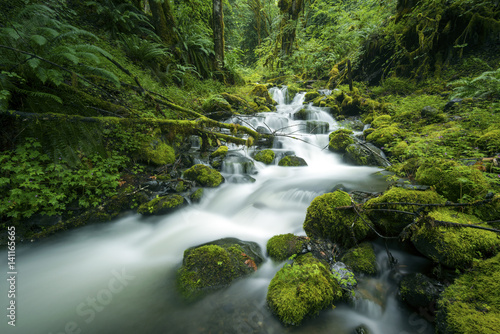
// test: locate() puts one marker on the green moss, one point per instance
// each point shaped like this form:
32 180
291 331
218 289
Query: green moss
302 290
213 266
361 259
261 91
452 180
302 115
216 103
324 220
472 303
451 246
281 247
392 223
400 149
197 195
339 140
490 142
385 135
311 96
204 175
488 211
381 121
221 152
292 161
158 153
161 205
265 156
418 290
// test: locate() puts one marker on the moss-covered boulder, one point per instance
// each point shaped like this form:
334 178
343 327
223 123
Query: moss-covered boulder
302 115
301 290
218 156
292 161
472 303
490 142
452 180
157 153
311 95
381 121
265 156
385 135
215 265
261 91
325 221
281 247
489 211
339 140
216 107
454 247
361 259
317 127
204 176
418 290
162 205
392 223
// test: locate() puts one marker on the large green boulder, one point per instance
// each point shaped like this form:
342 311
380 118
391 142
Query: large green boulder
391 223
281 247
301 290
472 303
265 156
361 259
162 205
326 221
216 107
452 180
157 153
454 247
204 175
339 140
215 265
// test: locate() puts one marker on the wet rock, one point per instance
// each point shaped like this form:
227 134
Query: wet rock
265 156
419 290
217 108
317 127
162 205
292 161
281 247
361 259
196 196
204 176
240 179
365 154
302 115
217 157
215 265
263 130
344 276
237 163
452 105
339 140
361 330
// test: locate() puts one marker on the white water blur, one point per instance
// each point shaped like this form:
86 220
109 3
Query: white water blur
69 283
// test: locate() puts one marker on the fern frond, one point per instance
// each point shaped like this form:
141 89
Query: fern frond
110 76
39 94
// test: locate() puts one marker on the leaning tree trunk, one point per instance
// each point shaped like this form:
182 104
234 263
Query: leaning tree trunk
218 29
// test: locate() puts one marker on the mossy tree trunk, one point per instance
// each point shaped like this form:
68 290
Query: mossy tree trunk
218 31
291 10
163 21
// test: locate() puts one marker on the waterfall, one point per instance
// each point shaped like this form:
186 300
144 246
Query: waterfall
119 277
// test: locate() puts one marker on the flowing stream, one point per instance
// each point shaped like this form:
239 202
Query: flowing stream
119 277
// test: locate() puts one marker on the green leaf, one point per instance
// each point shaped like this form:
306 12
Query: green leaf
39 39
34 62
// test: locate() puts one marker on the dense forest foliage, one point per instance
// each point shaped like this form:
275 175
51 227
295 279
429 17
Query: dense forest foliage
97 94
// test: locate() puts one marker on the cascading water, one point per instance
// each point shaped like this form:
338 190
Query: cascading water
120 277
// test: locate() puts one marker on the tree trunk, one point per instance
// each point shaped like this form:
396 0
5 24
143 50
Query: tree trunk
218 30
163 21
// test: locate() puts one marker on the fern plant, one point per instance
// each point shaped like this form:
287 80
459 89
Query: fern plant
45 52
142 50
486 85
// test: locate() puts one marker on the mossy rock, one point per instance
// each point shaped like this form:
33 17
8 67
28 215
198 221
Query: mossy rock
392 223
281 247
488 211
162 205
261 91
325 221
302 115
451 246
365 154
381 121
265 156
215 265
489 142
385 135
361 259
204 176
217 157
302 290
317 127
418 290
311 95
158 153
452 180
472 303
216 107
196 196
339 140
292 161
